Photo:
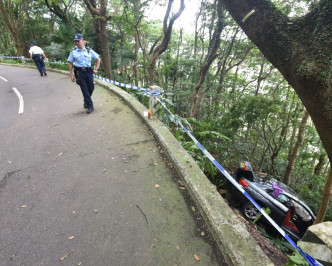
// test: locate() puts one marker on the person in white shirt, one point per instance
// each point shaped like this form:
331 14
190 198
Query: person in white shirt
37 55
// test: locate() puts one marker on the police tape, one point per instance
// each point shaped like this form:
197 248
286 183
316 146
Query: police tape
307 257
14 57
127 86
29 59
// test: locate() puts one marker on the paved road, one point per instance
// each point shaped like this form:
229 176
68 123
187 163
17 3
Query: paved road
78 189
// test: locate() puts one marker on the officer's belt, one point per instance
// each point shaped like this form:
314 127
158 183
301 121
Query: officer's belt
83 68
36 55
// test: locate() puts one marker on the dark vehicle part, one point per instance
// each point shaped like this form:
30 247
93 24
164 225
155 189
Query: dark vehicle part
288 210
250 212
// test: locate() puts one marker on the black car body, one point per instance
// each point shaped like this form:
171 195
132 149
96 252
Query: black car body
287 209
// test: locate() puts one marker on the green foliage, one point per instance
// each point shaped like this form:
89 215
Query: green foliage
204 163
247 111
267 210
61 43
297 260
279 242
310 189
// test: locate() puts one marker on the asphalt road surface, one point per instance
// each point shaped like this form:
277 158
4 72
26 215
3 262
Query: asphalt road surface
79 189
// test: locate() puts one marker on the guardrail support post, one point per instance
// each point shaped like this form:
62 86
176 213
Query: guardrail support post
154 90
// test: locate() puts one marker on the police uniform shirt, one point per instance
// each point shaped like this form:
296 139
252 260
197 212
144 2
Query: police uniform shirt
34 50
82 58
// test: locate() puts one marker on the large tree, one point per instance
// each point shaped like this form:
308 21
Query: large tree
134 14
295 152
12 13
167 33
300 49
59 8
212 53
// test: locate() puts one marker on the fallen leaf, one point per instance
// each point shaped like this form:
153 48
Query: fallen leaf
177 247
60 154
202 234
104 170
193 208
65 256
71 237
156 186
196 257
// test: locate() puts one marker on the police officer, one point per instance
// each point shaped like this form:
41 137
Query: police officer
81 70
37 55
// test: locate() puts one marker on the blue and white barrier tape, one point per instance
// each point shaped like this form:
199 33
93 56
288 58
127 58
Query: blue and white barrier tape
29 59
128 86
14 57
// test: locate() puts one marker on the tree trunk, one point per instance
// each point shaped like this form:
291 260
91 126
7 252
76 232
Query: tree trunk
326 195
175 71
320 164
101 31
295 152
159 50
136 73
13 18
100 19
212 54
55 8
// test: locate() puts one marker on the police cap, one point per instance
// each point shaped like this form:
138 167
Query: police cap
78 37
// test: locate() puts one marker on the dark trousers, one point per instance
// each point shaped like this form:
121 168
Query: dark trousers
87 86
40 64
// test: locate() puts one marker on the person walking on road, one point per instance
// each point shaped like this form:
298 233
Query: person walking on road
37 55
81 70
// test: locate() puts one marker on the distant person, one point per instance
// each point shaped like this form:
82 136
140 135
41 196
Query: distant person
37 55
81 70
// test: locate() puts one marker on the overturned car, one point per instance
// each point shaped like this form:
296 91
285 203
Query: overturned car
287 209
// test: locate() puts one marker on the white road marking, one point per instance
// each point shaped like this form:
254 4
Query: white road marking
20 110
3 79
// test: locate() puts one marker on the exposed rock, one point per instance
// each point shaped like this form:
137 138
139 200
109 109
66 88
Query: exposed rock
317 242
